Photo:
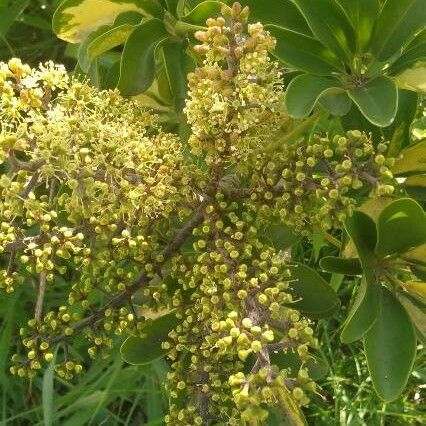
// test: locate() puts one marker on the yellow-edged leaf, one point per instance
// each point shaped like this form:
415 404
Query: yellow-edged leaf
416 289
74 20
412 160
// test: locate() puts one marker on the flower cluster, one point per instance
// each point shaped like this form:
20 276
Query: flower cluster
236 97
85 175
240 314
317 184
97 197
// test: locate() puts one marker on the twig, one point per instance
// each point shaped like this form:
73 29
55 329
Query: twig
40 296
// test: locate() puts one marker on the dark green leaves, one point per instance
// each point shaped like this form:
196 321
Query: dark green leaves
137 70
9 14
362 230
377 100
74 20
390 347
282 13
400 226
363 15
303 52
304 91
143 350
279 236
363 312
318 299
398 22
203 11
329 23
341 266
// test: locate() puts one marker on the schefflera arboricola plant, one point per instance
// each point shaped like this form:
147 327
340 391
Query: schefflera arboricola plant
95 192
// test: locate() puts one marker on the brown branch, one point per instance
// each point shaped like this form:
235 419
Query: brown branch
143 279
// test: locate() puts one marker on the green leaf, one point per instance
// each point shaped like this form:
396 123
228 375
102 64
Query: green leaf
415 310
84 60
146 349
390 348
396 25
416 255
282 13
11 14
362 231
377 100
329 23
413 78
411 161
318 299
316 366
400 226
279 236
415 51
362 15
363 313
137 69
415 186
303 52
341 266
204 10
74 20
47 395
337 103
176 68
109 39
304 91
398 133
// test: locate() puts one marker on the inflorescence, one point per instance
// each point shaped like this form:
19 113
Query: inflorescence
94 193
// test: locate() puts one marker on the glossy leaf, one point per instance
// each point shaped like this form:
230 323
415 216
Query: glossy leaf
417 289
74 20
413 78
416 187
377 100
415 52
362 231
279 236
362 15
398 23
412 160
304 91
175 60
363 313
146 349
84 60
400 226
303 53
341 266
416 311
137 70
109 39
316 366
330 25
204 10
282 13
416 255
390 348
318 299
398 133
337 103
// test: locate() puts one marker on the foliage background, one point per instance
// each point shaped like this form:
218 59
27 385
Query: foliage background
112 393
